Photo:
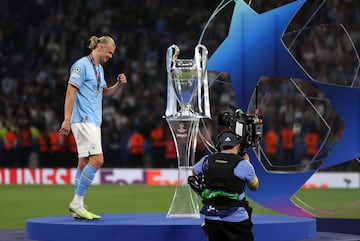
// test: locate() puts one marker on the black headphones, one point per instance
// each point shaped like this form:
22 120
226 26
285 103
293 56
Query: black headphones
218 137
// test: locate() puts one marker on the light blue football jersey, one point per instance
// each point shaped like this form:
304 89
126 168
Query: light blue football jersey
88 98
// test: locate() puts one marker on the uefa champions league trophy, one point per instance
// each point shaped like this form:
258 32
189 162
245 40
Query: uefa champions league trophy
186 79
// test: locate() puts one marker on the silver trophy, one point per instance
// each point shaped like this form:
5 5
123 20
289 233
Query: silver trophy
187 78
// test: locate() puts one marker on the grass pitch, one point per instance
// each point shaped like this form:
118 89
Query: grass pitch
21 202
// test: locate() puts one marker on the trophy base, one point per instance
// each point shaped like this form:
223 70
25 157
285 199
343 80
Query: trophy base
187 113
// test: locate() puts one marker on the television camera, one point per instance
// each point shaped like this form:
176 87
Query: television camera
247 126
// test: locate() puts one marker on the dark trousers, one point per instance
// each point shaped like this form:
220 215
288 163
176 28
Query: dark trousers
229 231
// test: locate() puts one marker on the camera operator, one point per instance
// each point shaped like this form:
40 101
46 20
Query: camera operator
224 177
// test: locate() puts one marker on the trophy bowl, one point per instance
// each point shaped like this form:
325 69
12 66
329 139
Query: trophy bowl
184 80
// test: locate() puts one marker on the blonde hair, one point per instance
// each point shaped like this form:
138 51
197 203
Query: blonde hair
94 41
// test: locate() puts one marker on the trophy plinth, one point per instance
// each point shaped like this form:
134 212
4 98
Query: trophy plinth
184 131
186 79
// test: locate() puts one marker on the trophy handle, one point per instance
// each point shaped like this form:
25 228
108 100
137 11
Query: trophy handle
201 59
171 104
173 53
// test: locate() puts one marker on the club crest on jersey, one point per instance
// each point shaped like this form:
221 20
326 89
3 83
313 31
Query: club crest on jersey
76 73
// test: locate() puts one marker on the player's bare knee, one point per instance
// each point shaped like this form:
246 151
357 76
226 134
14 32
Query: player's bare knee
97 161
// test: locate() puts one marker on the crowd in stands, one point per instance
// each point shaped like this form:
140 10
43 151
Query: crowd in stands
37 48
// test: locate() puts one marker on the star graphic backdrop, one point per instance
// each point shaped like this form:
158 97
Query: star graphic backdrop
254 49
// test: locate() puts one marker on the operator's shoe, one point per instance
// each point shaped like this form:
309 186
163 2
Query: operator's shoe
81 212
